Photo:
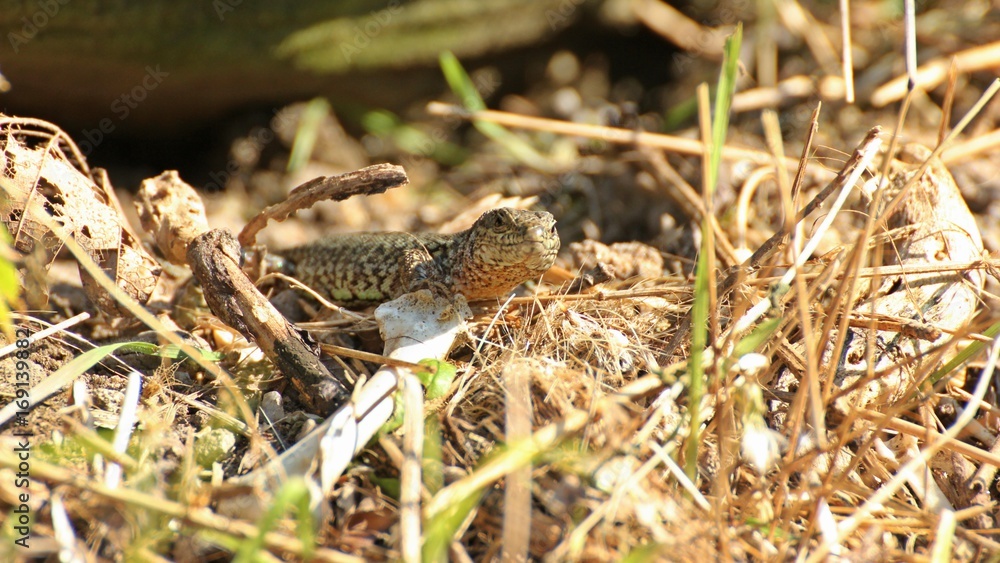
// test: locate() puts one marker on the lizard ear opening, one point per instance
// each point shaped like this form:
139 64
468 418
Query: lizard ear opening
495 219
502 219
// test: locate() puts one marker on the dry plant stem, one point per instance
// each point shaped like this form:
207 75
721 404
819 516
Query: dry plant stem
410 473
63 531
680 191
812 387
189 515
986 544
910 33
984 406
971 512
680 145
678 473
949 102
883 271
981 144
847 64
810 393
747 192
788 91
45 333
493 321
933 72
751 265
766 54
517 486
123 431
980 481
457 551
922 432
772 131
801 22
214 258
906 327
774 242
296 284
846 293
369 180
682 289
791 275
680 30
789 197
897 200
800 172
882 495
335 350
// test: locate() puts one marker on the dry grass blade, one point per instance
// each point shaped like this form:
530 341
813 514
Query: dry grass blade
517 489
197 517
934 72
679 29
608 134
410 472
882 495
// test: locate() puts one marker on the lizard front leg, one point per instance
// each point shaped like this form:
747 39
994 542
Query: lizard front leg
418 270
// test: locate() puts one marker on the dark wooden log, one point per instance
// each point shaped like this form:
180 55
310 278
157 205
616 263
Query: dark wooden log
107 65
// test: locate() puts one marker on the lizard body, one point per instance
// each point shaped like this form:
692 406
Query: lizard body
503 248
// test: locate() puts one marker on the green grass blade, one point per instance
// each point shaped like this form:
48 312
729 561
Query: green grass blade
703 277
723 102
463 87
310 123
69 372
293 493
963 356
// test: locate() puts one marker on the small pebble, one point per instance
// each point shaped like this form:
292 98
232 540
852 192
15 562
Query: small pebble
271 408
213 446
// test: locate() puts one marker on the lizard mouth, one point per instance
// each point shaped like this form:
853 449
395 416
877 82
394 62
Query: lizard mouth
539 246
538 255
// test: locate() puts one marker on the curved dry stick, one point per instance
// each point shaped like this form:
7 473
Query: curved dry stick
370 180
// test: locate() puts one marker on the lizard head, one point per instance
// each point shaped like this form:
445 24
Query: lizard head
509 246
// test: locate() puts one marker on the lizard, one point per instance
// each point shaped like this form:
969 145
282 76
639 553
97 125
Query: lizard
504 248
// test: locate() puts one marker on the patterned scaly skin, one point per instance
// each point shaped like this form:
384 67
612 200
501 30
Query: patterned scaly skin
504 248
